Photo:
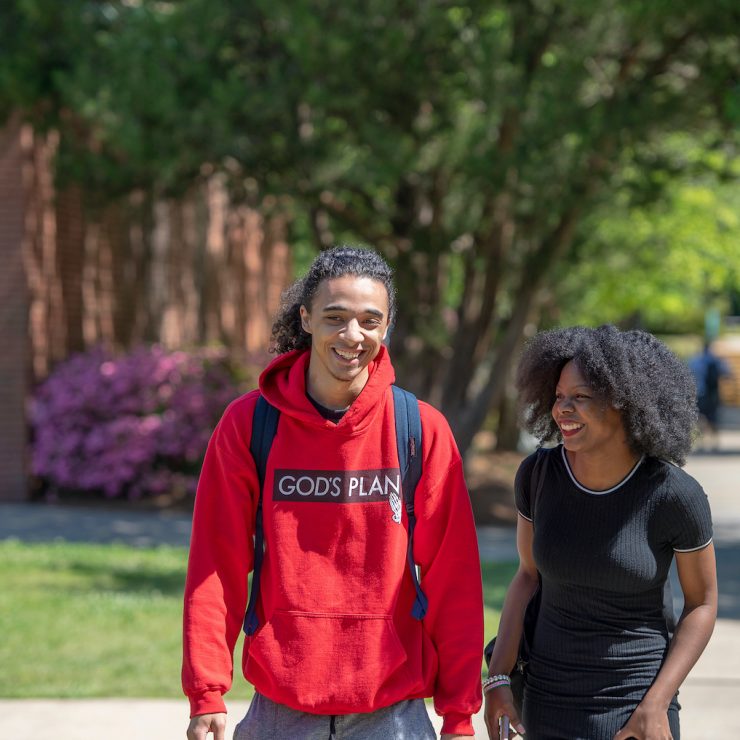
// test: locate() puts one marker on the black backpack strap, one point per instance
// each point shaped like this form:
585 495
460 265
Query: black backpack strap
408 441
264 427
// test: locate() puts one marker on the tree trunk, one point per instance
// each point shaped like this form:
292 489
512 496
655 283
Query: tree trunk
507 432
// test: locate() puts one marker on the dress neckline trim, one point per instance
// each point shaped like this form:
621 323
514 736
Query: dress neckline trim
607 490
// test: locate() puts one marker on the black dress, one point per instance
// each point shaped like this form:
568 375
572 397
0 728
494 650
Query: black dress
602 633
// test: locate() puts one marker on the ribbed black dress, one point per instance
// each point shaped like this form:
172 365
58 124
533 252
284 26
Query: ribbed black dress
604 556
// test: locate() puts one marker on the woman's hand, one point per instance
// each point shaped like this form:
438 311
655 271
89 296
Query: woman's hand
648 722
499 703
697 573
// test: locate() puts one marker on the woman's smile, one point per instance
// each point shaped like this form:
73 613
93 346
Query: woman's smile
570 428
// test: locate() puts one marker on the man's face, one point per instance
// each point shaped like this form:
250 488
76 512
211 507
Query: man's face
347 321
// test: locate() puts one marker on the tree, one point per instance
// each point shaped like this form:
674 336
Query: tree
467 141
659 264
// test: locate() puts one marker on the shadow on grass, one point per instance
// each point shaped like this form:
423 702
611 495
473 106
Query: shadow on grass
147 580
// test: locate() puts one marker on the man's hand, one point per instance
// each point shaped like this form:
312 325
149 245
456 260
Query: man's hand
202 724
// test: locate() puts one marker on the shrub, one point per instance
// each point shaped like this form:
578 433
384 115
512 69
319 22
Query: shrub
134 424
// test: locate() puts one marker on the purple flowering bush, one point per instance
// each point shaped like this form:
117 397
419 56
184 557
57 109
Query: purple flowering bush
128 425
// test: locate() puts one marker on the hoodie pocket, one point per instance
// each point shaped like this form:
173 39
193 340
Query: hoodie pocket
336 660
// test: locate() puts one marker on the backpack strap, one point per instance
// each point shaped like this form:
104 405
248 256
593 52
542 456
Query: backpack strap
264 427
408 441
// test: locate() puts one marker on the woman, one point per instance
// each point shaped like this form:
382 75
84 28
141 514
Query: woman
613 510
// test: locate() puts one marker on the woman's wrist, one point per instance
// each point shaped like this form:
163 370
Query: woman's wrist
653 700
495 681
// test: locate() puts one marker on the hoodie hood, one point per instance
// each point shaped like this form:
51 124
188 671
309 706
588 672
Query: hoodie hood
283 384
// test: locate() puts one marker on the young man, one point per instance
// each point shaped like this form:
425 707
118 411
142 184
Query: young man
337 652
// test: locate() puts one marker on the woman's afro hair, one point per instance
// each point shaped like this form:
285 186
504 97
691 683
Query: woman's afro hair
631 370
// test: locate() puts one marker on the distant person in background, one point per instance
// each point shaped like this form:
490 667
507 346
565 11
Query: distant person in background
708 369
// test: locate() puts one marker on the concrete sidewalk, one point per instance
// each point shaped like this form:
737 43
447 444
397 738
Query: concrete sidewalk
709 696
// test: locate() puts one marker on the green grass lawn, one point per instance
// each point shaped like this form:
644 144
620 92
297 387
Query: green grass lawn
104 620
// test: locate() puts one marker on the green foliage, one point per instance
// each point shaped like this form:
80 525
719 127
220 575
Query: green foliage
467 141
90 620
661 262
313 94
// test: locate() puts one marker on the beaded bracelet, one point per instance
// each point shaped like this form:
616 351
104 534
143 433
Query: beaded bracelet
493 682
498 684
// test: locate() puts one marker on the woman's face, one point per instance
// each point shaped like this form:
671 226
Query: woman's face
587 422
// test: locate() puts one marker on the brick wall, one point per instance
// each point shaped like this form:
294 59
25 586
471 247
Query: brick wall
14 356
192 271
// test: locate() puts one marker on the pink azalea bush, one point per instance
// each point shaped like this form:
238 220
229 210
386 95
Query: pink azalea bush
134 424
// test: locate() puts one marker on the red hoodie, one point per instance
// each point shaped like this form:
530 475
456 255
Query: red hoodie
336 634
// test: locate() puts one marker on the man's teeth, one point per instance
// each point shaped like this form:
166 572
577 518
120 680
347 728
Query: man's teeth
347 355
570 427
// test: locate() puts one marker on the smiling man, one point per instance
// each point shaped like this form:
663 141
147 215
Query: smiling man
337 648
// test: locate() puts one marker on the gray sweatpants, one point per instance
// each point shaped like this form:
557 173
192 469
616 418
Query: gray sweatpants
266 720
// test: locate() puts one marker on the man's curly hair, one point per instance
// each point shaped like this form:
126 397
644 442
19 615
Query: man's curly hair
287 331
631 370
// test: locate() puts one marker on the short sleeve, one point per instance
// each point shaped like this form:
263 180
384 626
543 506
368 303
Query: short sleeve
687 516
522 493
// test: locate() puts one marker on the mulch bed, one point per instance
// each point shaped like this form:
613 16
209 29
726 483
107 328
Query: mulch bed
490 478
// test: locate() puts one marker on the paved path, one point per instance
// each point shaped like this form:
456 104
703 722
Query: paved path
711 693
40 522
709 696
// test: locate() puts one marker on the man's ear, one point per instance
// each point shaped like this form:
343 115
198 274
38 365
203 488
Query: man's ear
305 319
